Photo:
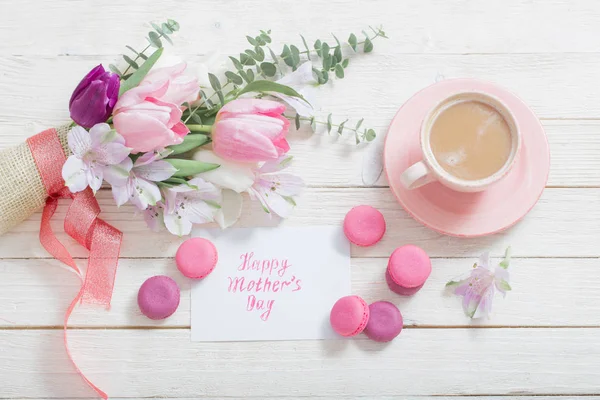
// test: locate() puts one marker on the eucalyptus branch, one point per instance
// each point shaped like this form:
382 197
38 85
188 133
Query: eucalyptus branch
366 134
154 38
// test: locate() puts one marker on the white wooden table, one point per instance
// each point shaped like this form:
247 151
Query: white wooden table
544 338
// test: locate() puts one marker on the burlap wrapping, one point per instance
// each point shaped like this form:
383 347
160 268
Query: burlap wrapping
21 189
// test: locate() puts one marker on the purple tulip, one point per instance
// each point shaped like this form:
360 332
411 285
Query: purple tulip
94 98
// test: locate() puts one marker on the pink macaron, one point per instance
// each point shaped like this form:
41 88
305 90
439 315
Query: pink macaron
408 269
196 258
349 316
385 321
364 225
158 297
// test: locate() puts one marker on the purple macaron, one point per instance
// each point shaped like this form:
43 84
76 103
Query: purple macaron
385 322
158 297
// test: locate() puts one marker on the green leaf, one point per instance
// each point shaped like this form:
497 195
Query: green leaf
341 127
214 82
166 28
317 75
265 37
337 53
156 27
190 167
325 50
245 59
306 47
313 124
297 120
295 56
339 71
250 75
370 135
196 118
134 51
251 54
263 86
327 61
504 285
452 283
244 76
273 55
260 54
325 76
238 65
318 44
345 63
286 55
190 142
368 47
173 25
359 123
168 39
329 123
252 41
180 181
154 39
114 69
233 77
139 74
352 41
221 97
268 68
129 61
260 41
507 256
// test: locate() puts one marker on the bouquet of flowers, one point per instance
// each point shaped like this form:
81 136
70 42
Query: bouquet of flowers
181 152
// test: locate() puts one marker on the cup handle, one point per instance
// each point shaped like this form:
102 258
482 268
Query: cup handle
417 175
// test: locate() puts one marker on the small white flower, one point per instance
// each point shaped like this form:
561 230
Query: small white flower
193 203
276 190
135 181
154 217
95 153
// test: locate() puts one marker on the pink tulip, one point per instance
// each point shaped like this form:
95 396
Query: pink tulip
251 130
149 115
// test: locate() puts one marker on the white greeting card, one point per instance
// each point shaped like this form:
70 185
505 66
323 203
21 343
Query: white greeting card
271 284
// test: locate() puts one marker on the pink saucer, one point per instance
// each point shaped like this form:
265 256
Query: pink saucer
467 214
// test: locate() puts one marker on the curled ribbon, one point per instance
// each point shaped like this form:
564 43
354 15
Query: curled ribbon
82 224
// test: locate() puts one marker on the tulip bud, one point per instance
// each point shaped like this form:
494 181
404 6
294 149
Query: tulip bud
94 98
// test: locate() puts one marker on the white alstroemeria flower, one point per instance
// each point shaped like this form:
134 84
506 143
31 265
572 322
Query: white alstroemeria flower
234 178
138 184
94 155
303 82
276 190
193 203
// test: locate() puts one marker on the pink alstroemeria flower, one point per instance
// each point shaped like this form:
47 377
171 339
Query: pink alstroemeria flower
478 286
138 185
276 190
95 155
193 203
251 130
149 115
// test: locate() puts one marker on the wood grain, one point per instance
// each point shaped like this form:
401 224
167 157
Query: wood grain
144 363
36 293
563 224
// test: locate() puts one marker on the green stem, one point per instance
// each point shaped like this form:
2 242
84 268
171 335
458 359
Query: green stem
320 122
204 102
334 47
137 57
200 128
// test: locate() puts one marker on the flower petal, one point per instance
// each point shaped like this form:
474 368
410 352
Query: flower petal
117 175
99 134
252 106
95 177
230 175
79 141
121 194
74 174
156 171
145 193
206 190
154 217
177 225
231 209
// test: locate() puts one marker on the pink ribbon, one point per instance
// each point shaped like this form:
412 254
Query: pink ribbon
82 224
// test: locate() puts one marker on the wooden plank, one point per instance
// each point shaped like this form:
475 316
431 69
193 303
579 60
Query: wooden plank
370 397
414 26
143 363
376 85
36 293
563 224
